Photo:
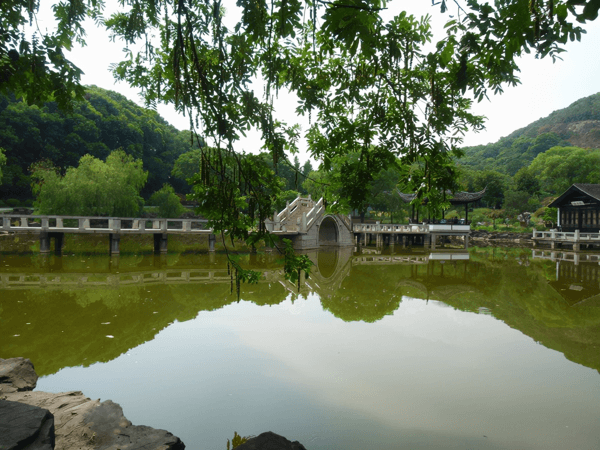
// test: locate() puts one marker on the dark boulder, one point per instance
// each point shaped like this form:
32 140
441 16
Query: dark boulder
25 427
270 441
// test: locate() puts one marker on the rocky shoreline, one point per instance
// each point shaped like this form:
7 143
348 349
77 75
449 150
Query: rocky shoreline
71 421
496 238
34 420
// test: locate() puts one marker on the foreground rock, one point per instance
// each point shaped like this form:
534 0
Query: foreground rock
79 423
270 441
25 427
17 374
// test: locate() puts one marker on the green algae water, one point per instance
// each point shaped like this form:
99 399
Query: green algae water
487 349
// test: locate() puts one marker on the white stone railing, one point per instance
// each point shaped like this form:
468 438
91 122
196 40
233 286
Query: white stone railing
317 210
289 209
434 227
389 228
83 224
573 236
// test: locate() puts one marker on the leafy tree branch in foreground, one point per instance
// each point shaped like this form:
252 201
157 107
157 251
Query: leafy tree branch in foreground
364 79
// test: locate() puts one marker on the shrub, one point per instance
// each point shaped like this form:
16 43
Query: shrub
167 202
12 202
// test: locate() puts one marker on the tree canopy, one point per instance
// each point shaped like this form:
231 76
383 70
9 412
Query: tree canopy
103 122
366 81
94 188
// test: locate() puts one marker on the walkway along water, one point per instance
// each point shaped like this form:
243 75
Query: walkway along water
304 221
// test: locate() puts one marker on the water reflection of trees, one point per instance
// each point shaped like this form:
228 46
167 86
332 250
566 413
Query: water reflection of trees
58 327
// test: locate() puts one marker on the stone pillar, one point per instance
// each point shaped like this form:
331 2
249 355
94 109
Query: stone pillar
114 240
44 242
466 241
160 243
211 242
58 242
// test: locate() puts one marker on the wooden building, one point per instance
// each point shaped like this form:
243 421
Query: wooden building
579 208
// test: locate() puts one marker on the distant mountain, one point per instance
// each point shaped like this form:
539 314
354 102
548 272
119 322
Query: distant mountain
577 125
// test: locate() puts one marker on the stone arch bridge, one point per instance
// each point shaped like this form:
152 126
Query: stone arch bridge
308 226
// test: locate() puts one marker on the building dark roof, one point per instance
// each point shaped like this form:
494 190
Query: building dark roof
591 190
455 198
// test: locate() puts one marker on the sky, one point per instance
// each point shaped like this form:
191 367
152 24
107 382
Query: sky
545 86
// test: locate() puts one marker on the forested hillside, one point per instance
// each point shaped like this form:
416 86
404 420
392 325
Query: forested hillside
524 170
106 121
577 125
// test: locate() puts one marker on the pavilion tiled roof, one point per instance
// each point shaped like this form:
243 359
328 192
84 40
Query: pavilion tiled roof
593 190
453 197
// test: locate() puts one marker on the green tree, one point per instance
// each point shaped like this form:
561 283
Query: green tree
187 164
515 202
367 80
526 181
550 215
103 122
168 202
558 168
94 188
495 185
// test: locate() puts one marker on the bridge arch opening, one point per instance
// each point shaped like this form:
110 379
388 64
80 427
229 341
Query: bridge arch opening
328 232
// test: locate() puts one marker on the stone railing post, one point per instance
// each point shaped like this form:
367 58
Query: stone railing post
304 222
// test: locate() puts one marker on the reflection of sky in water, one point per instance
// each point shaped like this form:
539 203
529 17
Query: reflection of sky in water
425 377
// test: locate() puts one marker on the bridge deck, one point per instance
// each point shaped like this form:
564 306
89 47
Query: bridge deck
95 225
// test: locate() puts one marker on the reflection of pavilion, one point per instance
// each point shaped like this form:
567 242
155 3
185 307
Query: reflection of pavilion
577 275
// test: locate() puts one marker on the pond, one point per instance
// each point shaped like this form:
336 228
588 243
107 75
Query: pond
489 349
